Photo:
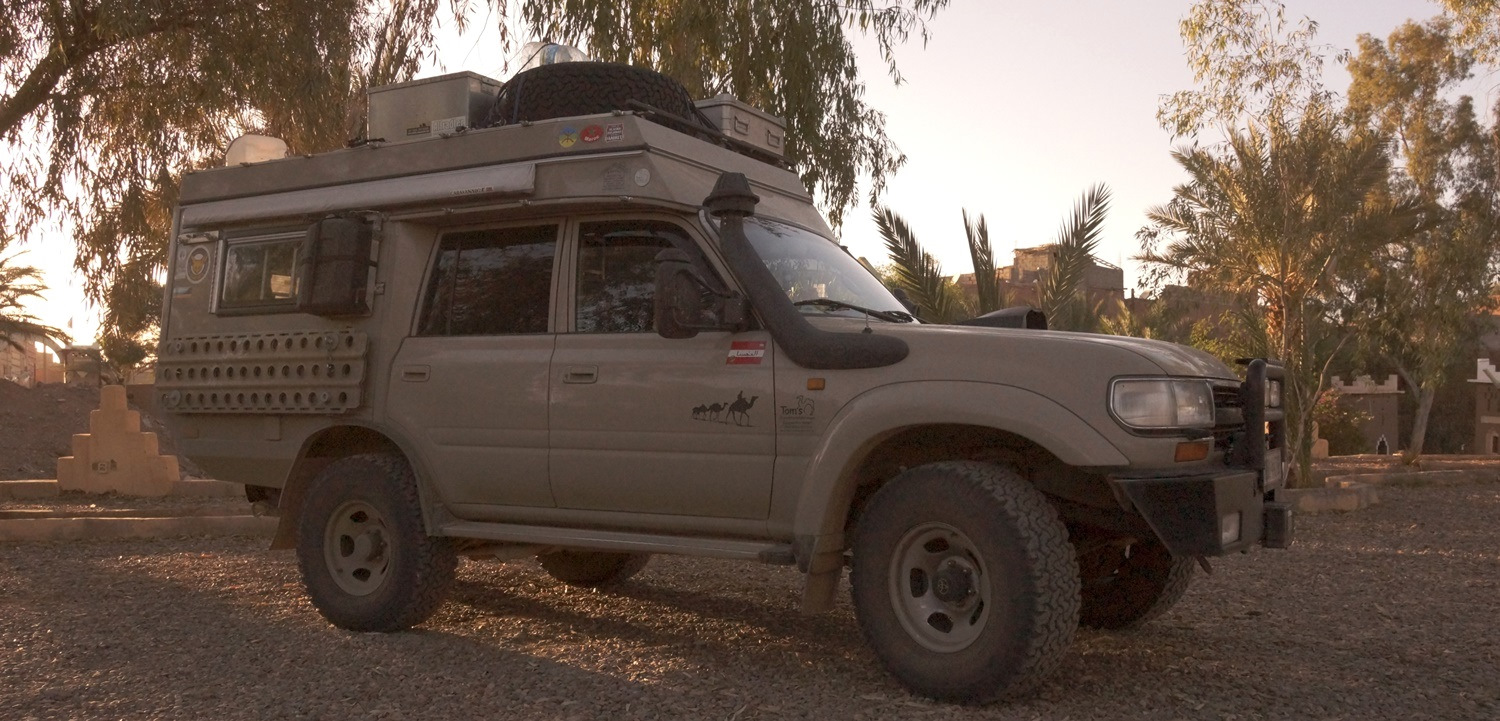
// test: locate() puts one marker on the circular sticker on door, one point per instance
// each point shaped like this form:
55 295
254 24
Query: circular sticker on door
197 264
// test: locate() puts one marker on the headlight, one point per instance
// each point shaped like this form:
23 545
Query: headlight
1162 403
1273 394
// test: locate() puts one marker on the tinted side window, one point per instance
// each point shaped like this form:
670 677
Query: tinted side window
261 271
617 272
496 281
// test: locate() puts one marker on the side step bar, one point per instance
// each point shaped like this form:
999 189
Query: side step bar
763 551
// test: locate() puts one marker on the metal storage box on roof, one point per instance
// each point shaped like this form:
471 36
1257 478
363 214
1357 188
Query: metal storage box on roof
740 121
422 109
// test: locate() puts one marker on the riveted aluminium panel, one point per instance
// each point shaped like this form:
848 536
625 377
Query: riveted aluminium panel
307 372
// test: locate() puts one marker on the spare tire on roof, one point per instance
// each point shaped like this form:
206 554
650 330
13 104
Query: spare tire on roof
588 88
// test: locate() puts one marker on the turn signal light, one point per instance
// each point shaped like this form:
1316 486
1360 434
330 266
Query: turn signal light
1191 451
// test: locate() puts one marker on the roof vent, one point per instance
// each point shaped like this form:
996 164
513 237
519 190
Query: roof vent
248 149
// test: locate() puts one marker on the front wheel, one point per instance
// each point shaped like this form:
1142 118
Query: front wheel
1127 583
368 563
963 581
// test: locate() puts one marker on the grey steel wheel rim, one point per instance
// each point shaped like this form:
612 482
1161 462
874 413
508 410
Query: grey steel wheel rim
356 549
939 587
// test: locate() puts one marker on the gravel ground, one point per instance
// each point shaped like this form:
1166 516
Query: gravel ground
1388 613
80 503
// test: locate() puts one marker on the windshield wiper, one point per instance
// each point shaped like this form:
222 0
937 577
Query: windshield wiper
889 316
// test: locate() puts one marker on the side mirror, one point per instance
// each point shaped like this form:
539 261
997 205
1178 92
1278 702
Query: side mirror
687 303
906 301
334 266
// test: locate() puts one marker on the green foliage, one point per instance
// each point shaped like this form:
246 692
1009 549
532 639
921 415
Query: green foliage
792 58
104 103
1339 424
1477 24
1417 298
986 284
1063 294
1272 219
918 273
123 353
1247 63
17 283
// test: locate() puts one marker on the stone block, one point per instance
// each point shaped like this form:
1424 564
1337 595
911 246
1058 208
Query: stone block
115 456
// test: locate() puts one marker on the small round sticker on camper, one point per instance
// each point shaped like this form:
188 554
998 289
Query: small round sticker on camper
568 137
197 264
591 134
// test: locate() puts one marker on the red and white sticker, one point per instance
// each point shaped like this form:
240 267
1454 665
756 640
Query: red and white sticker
746 352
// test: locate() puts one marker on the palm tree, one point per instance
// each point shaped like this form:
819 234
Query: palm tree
17 283
918 273
986 285
1274 216
1063 294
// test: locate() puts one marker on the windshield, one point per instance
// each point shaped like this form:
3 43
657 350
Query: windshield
811 268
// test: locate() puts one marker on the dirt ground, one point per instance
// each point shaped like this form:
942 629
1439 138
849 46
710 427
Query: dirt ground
37 426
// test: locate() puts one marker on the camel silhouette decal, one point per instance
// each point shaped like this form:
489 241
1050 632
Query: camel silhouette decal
737 410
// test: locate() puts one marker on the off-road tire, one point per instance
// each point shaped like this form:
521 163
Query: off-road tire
593 569
587 88
1018 546
415 571
1140 589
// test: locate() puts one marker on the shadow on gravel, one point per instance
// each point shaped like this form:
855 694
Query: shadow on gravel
661 617
119 636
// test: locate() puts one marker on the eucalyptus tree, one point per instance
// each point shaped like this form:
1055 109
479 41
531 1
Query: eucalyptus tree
1420 296
1248 62
792 58
1275 216
103 103
1477 26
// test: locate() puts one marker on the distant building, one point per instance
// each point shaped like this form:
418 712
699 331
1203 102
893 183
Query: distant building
1380 403
1021 281
1486 382
32 356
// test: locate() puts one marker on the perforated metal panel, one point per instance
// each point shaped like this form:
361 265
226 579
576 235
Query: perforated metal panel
271 373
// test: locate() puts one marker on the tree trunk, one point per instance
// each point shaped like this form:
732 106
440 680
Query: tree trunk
1425 397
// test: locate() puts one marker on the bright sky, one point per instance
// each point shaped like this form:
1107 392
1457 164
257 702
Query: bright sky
1012 110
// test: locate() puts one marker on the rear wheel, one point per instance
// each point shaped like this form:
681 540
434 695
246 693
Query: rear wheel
1126 582
964 582
368 563
593 569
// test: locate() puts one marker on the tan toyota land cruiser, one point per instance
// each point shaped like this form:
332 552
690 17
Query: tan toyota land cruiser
581 317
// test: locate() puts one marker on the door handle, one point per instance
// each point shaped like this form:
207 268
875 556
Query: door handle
416 374
581 374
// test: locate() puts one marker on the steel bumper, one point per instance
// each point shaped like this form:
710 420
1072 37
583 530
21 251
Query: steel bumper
1210 515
